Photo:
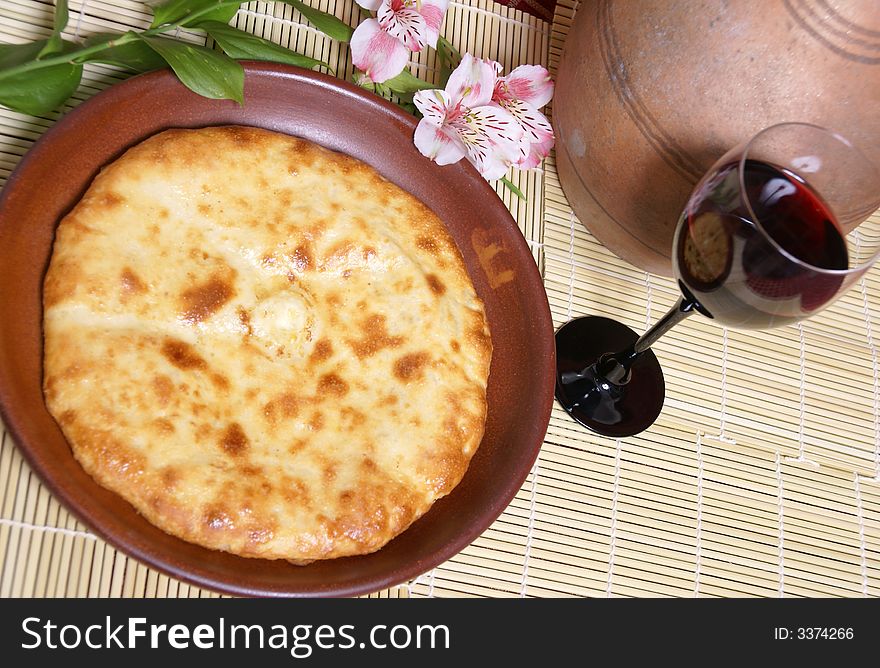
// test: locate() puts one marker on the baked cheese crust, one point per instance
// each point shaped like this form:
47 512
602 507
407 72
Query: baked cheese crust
263 345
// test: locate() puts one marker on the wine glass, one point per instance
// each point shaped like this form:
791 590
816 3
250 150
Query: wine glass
776 230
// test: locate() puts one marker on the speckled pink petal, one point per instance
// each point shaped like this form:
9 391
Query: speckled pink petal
473 81
435 105
404 23
380 55
439 143
433 12
527 83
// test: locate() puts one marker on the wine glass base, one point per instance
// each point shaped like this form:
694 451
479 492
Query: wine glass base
624 410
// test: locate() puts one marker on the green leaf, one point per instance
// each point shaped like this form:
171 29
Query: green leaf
55 44
134 55
326 23
203 71
182 11
40 90
449 59
242 45
12 55
516 191
407 83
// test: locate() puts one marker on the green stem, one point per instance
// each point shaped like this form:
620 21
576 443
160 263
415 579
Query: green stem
81 55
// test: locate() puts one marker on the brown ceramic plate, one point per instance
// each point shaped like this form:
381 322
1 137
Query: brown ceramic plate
55 173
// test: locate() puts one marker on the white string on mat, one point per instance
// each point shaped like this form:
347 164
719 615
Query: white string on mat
801 458
613 533
862 545
499 17
780 492
73 533
79 18
698 566
650 303
571 219
529 531
722 434
287 22
418 580
876 375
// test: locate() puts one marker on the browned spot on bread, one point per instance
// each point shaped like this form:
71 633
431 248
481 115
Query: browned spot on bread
234 441
202 301
182 355
302 258
436 285
455 345
164 426
204 209
241 135
411 366
428 245
131 283
285 405
369 253
331 383
169 476
244 317
329 473
109 199
203 431
220 381
297 445
322 351
218 518
375 337
316 422
352 417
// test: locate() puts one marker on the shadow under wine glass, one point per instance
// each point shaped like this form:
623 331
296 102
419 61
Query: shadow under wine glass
776 230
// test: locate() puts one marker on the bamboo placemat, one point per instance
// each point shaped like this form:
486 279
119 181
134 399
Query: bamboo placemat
747 485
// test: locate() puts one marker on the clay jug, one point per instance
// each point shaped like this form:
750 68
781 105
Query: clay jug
650 93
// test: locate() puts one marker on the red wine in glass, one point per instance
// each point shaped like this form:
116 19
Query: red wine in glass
775 264
777 229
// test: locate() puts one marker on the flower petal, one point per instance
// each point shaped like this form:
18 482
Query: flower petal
492 137
528 83
534 124
440 144
371 5
490 165
498 126
405 24
433 12
473 81
537 152
435 105
376 52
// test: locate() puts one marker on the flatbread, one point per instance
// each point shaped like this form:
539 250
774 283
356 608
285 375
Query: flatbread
263 345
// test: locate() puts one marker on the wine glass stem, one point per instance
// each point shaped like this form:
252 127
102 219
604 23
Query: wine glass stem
615 367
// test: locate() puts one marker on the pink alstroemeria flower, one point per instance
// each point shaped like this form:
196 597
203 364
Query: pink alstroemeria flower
522 93
462 121
380 47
